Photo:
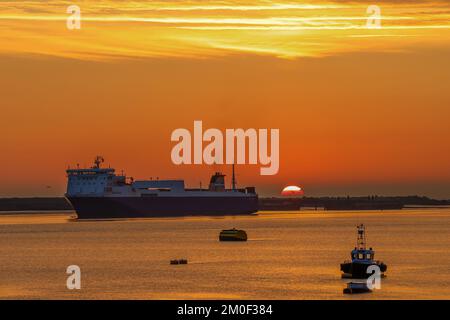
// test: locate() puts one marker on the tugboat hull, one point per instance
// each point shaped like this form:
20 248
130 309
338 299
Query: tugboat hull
357 270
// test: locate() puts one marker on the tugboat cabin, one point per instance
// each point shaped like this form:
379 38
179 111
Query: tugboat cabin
362 254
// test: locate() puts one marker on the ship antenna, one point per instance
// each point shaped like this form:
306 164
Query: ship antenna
233 180
361 241
98 160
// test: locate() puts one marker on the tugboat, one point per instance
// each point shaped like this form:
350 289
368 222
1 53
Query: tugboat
233 235
362 258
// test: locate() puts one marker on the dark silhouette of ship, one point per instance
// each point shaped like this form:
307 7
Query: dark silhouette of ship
98 193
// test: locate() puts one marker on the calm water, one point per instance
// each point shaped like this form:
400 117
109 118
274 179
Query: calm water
288 256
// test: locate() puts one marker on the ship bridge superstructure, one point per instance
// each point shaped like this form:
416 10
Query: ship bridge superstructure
104 182
92 181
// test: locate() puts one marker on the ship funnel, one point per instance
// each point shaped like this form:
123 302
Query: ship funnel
217 182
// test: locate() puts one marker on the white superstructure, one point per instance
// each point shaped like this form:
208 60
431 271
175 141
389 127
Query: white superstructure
103 182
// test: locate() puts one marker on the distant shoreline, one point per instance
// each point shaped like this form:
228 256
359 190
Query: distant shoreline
35 204
35 212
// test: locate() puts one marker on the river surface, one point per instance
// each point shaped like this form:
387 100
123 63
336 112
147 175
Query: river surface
288 256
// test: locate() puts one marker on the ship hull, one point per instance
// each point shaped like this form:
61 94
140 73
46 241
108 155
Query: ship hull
145 207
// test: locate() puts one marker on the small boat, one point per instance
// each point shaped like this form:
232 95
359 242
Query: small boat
357 287
362 258
233 235
179 261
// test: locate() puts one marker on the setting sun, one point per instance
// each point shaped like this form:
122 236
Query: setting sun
292 191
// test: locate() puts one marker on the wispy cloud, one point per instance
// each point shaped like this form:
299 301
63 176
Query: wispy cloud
113 28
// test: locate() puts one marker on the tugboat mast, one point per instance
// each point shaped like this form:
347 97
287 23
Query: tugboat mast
361 241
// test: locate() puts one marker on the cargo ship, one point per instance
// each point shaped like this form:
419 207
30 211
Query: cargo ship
100 193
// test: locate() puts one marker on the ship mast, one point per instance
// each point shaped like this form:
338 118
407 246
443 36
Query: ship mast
361 241
98 160
233 180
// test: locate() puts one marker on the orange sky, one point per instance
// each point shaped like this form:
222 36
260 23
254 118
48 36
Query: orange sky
360 111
